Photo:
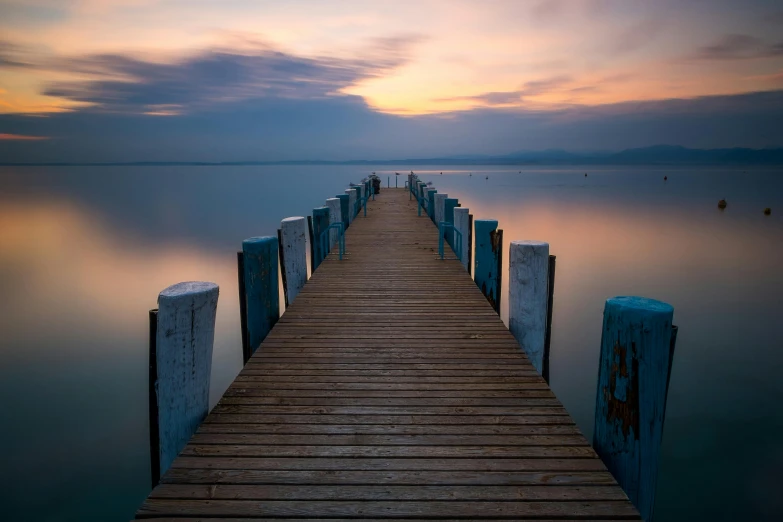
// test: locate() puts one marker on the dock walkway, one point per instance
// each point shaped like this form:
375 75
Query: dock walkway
389 389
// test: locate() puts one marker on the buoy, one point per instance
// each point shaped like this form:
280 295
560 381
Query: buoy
487 177
722 204
471 173
767 211
441 173
585 174
665 178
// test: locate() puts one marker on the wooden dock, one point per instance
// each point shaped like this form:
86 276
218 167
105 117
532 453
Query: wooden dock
389 389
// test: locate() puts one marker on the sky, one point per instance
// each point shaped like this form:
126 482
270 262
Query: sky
242 80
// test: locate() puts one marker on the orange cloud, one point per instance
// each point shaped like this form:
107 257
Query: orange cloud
22 137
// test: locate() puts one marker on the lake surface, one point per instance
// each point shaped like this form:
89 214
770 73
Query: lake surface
84 252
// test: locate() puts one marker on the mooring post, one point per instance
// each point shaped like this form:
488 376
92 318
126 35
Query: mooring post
345 201
528 266
321 216
357 199
294 256
461 222
335 216
449 204
488 265
637 346
351 204
180 366
440 199
242 305
550 305
262 299
431 193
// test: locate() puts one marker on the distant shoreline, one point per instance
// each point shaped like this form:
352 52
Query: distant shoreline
658 155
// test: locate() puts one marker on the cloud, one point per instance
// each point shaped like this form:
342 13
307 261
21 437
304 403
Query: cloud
21 137
635 37
739 47
123 83
346 128
516 98
12 56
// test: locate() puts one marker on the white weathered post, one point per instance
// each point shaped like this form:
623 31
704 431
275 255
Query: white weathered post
425 200
351 204
440 201
462 224
335 216
180 367
293 232
528 266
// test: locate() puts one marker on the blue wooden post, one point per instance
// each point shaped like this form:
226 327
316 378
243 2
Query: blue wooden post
262 296
431 203
637 346
488 266
180 367
320 224
448 216
358 204
345 200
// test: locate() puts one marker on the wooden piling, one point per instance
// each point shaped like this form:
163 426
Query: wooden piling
636 350
488 265
550 305
294 258
262 298
321 216
461 222
449 204
242 291
185 332
152 396
439 201
345 201
333 204
431 193
528 266
351 204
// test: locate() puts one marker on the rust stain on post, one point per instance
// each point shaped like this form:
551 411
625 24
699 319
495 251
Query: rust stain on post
626 410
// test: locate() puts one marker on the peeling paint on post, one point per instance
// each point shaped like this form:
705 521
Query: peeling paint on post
345 201
431 193
292 236
488 266
183 363
636 350
461 222
333 204
528 267
262 299
320 225
449 204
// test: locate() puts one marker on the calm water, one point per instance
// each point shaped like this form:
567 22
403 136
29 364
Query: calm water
85 251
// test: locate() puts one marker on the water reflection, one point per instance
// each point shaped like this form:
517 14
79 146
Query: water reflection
85 251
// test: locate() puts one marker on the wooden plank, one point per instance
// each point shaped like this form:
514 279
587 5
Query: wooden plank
370 509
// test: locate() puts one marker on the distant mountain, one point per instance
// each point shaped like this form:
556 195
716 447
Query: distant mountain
655 155
671 154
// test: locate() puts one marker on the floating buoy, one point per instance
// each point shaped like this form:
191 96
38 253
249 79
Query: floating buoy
471 173
487 177
767 211
722 204
665 178
441 173
585 174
